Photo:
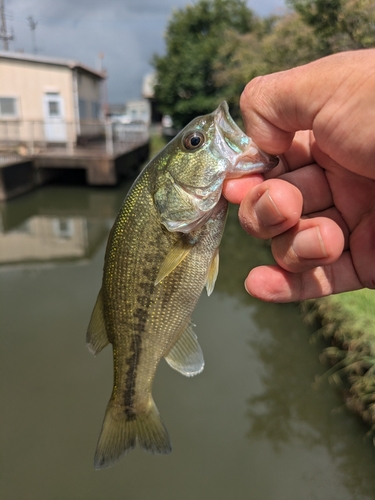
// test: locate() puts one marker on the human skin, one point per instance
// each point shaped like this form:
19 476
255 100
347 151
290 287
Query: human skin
318 204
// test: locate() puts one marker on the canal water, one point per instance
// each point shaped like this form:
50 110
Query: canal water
252 426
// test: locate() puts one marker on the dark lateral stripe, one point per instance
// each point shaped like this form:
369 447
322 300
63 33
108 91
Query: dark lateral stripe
143 291
131 375
132 361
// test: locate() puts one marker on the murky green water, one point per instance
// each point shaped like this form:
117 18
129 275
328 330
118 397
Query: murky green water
251 426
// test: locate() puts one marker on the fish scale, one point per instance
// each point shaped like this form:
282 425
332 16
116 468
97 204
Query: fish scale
162 251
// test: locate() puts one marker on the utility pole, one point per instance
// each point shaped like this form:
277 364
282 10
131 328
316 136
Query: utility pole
33 24
4 35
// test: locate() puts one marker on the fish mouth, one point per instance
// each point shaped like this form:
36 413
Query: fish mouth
242 153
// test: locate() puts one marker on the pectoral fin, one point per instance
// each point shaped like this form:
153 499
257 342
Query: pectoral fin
186 355
212 273
96 336
175 256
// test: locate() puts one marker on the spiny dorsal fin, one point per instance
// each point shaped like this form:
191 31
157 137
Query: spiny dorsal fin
175 256
212 273
96 336
186 355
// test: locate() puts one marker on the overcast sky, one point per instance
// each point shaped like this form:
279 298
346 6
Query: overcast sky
127 32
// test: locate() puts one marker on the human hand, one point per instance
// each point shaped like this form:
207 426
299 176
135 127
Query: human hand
318 204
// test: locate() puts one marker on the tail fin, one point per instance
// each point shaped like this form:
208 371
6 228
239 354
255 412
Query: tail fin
120 433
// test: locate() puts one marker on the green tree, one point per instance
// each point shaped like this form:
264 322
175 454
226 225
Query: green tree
322 16
314 29
339 24
240 58
357 21
278 43
290 43
215 47
186 85
275 43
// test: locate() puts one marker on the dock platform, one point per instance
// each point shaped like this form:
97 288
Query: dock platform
20 174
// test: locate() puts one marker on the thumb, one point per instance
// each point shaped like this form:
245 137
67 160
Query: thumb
275 106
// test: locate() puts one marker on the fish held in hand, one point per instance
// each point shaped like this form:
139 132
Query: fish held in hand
162 251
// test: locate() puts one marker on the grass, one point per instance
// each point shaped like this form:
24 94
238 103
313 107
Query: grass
348 324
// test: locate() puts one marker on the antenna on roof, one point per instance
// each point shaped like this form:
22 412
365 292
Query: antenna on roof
33 24
4 35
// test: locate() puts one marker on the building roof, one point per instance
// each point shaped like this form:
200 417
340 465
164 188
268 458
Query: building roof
53 61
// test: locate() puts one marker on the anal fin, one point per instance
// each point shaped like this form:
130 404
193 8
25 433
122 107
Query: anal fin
96 336
186 355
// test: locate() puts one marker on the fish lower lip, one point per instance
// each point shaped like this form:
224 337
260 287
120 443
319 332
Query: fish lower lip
255 155
261 161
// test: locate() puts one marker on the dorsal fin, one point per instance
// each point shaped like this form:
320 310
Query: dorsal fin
186 355
212 273
96 336
175 256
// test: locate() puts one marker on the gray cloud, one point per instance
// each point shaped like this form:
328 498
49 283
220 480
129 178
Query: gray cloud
128 32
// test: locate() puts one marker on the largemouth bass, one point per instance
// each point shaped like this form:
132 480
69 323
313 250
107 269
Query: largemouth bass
162 251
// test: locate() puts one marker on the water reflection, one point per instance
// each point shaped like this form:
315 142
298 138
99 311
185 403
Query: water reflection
47 226
46 239
238 254
289 410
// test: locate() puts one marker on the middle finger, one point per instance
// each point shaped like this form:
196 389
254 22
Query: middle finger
276 205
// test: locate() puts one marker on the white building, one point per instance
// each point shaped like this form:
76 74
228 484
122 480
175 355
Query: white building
45 100
138 111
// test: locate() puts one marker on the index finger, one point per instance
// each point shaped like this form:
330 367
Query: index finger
297 156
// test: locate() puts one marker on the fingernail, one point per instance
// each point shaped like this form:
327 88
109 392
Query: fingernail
308 244
247 288
267 211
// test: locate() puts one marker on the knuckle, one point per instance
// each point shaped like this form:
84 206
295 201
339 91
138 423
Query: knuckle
251 91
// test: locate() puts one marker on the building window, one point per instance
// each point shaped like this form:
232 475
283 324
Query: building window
63 228
53 108
8 107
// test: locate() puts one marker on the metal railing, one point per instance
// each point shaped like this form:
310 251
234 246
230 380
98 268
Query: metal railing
9 158
30 137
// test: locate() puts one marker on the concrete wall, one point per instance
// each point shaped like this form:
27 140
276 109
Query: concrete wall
29 82
89 97
78 93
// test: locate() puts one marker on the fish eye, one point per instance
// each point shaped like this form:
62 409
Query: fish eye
193 140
